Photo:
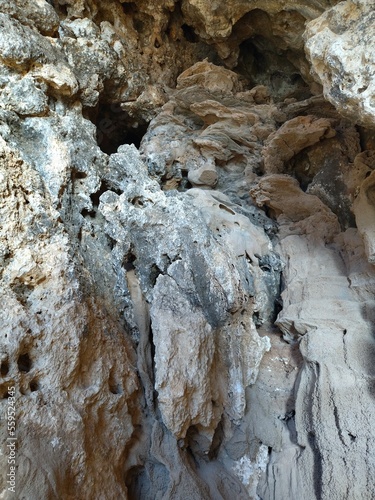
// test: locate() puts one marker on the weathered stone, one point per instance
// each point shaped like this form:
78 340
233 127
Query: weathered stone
54 322
340 46
168 334
39 14
217 20
203 176
25 97
291 138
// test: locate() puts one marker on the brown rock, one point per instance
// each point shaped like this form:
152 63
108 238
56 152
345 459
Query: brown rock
291 138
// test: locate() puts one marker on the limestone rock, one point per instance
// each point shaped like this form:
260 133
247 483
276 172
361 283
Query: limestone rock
39 14
25 97
291 138
319 290
181 306
340 46
188 316
214 130
55 323
218 19
22 48
203 176
364 211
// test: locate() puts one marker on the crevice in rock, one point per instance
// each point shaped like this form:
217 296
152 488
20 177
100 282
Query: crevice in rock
95 197
113 384
155 272
4 367
189 33
116 127
24 363
262 62
34 385
152 371
128 262
217 440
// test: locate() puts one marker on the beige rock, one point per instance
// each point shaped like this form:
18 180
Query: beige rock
296 211
212 78
69 363
184 362
291 138
216 20
364 210
340 46
141 318
203 176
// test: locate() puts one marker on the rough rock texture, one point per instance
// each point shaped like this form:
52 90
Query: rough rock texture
187 249
340 45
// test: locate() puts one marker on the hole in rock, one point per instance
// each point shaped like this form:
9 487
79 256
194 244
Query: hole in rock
111 242
154 274
262 62
115 388
116 127
129 259
363 89
103 188
139 484
129 7
24 363
227 209
34 385
78 175
136 481
4 368
189 34
88 213
257 319
113 384
137 201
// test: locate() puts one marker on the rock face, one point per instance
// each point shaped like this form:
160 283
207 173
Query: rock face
340 46
186 250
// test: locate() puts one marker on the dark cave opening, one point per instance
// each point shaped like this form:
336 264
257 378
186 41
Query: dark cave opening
189 33
116 127
263 63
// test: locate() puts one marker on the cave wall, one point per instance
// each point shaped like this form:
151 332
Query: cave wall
187 249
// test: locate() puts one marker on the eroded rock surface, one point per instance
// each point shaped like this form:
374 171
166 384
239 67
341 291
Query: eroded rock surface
187 249
340 46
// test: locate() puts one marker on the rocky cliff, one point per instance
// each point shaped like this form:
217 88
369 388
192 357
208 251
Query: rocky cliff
187 249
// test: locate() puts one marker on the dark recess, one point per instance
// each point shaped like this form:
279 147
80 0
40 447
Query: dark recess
189 34
262 62
24 363
116 127
34 385
4 370
95 197
129 260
